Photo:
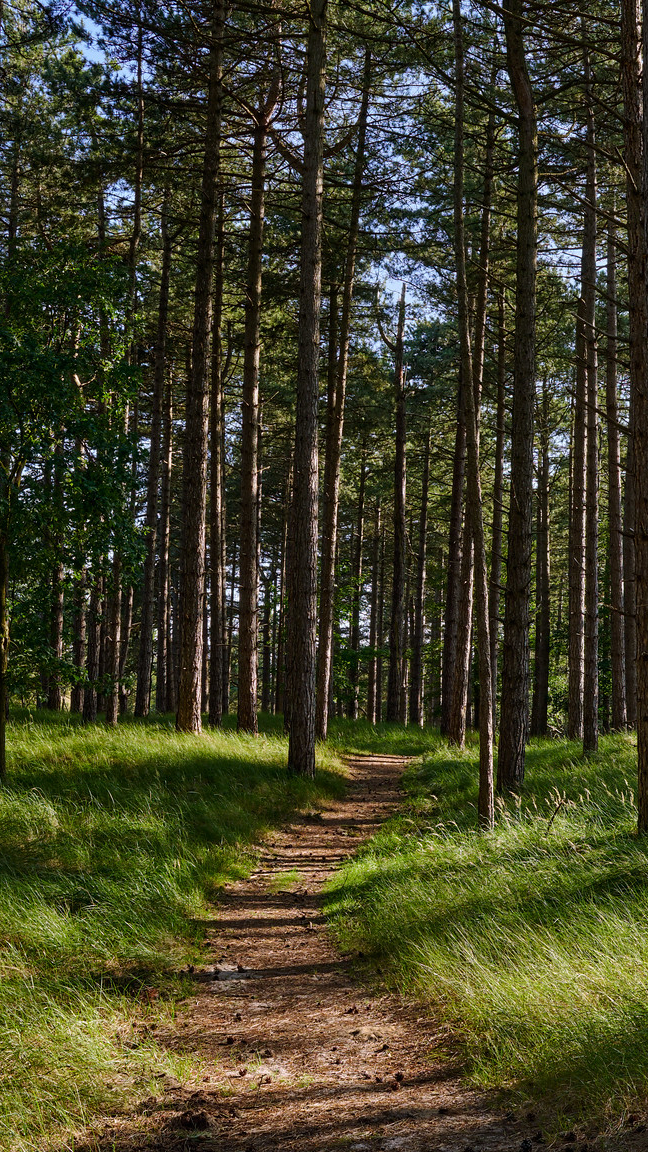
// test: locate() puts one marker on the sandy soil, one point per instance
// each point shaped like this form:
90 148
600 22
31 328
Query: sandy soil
297 1052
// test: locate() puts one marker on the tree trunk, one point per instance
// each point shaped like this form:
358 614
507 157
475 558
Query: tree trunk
461 672
194 486
540 704
354 671
217 557
145 654
302 588
54 695
416 667
4 652
79 643
498 499
267 647
615 559
590 640
515 665
335 429
381 632
474 502
631 80
92 657
453 579
373 618
280 678
163 551
247 720
397 621
636 159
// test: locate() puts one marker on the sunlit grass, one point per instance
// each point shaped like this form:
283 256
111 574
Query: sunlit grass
532 941
111 845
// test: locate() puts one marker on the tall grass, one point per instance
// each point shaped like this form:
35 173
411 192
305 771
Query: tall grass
532 941
111 844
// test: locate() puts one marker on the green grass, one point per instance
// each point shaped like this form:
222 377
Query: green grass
111 845
359 736
532 942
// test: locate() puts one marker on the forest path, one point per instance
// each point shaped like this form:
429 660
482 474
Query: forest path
309 1058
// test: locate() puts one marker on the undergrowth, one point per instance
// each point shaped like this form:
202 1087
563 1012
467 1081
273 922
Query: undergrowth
531 941
111 844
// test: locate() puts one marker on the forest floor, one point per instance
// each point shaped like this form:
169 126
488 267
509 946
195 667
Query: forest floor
299 1046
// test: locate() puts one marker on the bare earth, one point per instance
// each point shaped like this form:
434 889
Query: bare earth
296 1054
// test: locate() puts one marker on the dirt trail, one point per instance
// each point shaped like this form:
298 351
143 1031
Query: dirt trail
310 1060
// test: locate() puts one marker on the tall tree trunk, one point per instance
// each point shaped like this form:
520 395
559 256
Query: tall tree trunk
637 270
416 666
485 801
4 648
194 485
266 665
498 499
540 704
381 632
397 620
354 671
302 587
217 551
280 680
79 644
461 672
126 630
163 551
514 720
453 579
634 127
335 429
247 720
145 654
615 558
54 694
92 657
590 639
373 618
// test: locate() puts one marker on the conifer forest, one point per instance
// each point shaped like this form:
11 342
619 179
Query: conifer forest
323 514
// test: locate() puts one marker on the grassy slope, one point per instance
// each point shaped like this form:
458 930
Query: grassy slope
533 941
111 842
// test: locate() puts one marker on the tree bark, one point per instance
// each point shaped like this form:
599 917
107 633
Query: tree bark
514 720
397 620
539 709
373 618
617 637
474 502
194 486
145 654
247 720
4 650
498 499
354 670
637 284
461 672
162 665
416 665
335 429
217 557
590 639
302 589
54 694
453 579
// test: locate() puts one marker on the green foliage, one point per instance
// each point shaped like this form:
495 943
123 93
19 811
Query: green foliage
531 941
111 845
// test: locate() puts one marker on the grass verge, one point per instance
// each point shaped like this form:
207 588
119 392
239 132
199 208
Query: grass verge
111 844
531 941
